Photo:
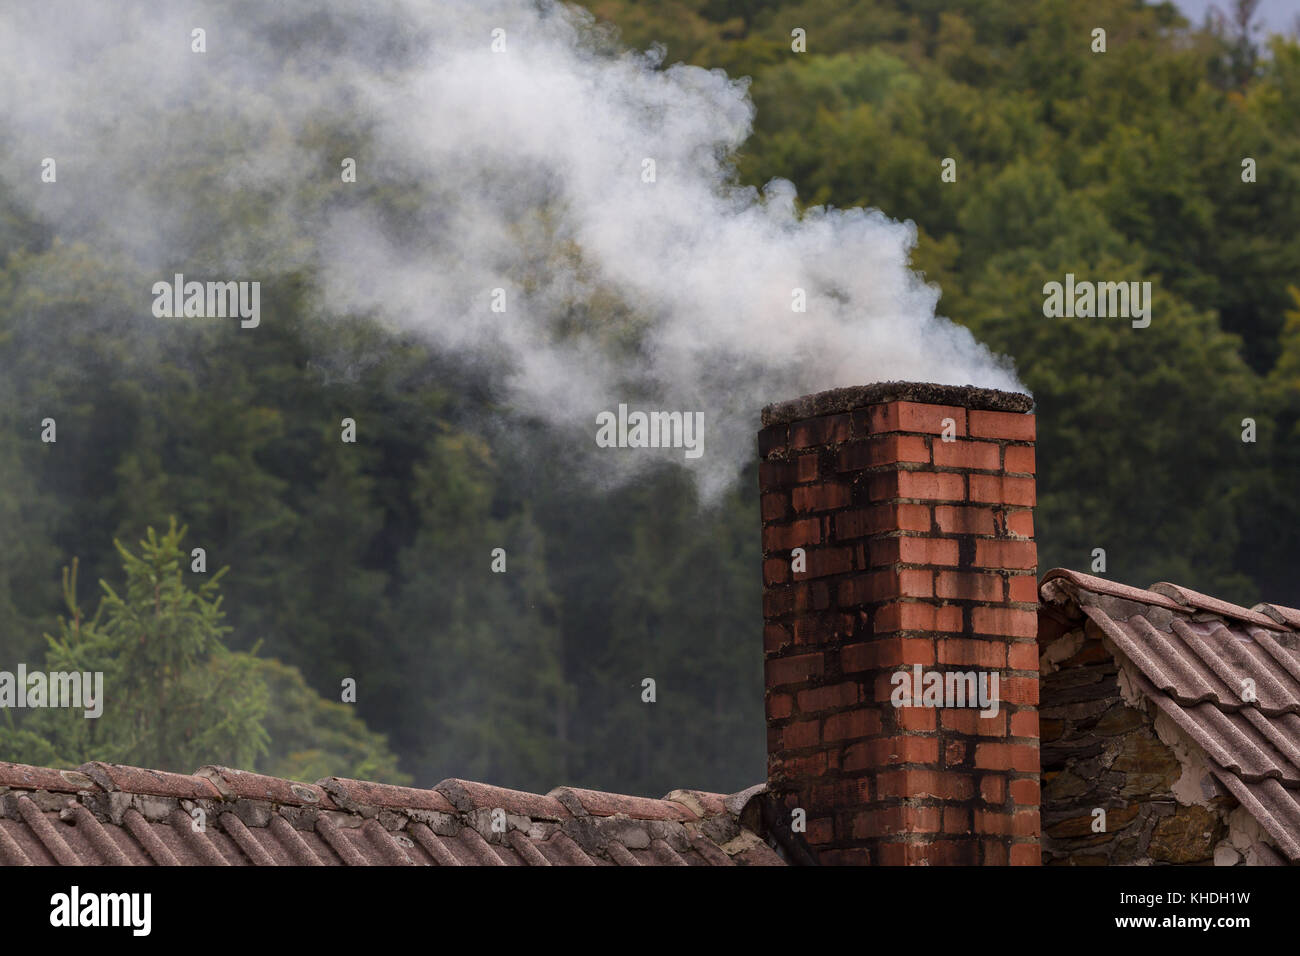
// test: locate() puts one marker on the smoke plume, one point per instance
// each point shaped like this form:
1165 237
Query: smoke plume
522 168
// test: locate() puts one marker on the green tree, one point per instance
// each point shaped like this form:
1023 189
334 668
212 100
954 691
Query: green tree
174 696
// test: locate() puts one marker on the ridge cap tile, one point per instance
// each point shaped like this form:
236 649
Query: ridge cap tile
1288 616
1109 588
23 776
143 780
702 803
466 795
599 803
352 794
1204 602
235 784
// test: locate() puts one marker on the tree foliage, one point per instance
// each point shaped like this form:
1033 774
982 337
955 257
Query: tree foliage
372 561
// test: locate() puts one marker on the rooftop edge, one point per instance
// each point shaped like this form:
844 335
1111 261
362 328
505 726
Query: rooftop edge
836 400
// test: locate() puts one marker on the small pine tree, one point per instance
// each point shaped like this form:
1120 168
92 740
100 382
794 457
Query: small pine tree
174 696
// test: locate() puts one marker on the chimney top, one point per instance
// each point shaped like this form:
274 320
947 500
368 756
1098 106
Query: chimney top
836 400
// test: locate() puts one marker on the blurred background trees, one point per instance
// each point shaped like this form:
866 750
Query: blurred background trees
372 561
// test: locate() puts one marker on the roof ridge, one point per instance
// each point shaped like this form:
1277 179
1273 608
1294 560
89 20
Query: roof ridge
338 819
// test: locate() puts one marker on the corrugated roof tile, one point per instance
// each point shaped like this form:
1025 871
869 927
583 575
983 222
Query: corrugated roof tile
221 816
1228 676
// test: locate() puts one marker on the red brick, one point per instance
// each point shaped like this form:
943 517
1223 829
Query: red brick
890 751
977 455
882 450
968 653
1026 854
968 586
1004 621
915 417
880 586
837 794
931 485
821 497
995 553
1012 426
1024 723
851 724
806 467
1019 690
956 820
967 720
1023 588
775 475
887 653
954 753
992 821
772 439
805 733
1001 756
1025 792
916 617
936 853
915 718
824 562
1018 459
798 534
918 784
819 699
779 706
993 789
1002 489
956 519
794 670
995 853
826 430
1021 523
775 571
1025 823
813 595
880 519
909 549
848 856
1023 656
775 637
775 506
820 831
777 602
891 821
785 766
815 629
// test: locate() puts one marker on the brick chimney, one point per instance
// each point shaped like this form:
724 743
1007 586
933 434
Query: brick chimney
913 505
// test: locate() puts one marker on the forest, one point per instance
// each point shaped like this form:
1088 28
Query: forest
372 561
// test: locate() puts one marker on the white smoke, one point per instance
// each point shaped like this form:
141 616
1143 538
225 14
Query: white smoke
476 170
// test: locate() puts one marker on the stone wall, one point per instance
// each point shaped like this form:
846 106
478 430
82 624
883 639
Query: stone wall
1103 749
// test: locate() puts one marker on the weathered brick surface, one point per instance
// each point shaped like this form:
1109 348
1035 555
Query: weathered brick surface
917 527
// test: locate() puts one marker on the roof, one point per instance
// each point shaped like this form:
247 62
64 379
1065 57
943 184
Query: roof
1195 655
110 814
